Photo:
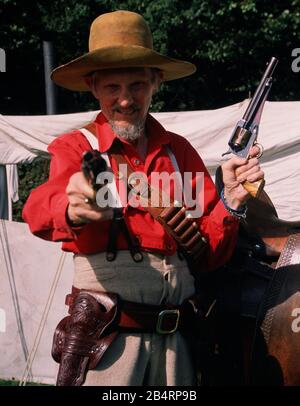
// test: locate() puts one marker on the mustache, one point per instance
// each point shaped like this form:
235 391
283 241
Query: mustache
132 108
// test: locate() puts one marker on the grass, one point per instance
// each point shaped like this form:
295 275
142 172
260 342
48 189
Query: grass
16 383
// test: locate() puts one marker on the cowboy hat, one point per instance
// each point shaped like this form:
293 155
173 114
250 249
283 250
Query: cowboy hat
120 39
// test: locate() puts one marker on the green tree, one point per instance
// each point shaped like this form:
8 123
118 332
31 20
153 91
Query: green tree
229 42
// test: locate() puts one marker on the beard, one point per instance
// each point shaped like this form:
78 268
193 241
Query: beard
129 133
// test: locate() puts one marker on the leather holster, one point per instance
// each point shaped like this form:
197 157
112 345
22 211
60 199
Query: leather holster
81 339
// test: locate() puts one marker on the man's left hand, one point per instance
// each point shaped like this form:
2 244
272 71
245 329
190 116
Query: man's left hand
236 171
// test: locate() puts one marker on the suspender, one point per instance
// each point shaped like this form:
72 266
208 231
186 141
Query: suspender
87 131
93 141
118 222
181 227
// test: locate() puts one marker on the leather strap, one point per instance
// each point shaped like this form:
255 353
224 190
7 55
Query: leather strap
276 357
119 225
182 228
291 252
154 194
144 318
151 194
290 255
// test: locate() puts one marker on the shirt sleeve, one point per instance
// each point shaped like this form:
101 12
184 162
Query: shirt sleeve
216 224
45 209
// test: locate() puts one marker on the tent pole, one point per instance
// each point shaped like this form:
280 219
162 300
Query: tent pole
4 199
50 89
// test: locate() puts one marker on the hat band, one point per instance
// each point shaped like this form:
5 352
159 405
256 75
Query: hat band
121 39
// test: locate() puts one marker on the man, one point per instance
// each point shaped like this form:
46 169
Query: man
123 72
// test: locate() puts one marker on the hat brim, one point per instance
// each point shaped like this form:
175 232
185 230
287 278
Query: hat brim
72 75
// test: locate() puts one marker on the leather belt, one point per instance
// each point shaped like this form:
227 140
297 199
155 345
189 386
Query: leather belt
144 318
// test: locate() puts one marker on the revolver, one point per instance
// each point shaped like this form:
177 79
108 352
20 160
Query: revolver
245 133
92 164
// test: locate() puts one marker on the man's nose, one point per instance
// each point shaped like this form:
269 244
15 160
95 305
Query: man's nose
125 98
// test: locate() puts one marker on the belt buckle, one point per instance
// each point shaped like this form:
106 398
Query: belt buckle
161 316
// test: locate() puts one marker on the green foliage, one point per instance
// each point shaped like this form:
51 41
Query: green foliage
30 176
229 42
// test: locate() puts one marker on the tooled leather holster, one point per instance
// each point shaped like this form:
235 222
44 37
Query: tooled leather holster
81 339
96 317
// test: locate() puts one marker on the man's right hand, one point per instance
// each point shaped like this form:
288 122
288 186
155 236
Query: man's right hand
80 210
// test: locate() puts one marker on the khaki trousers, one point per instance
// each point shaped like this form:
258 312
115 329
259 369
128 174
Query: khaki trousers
140 359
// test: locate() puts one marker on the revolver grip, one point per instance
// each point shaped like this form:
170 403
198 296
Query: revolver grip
254 188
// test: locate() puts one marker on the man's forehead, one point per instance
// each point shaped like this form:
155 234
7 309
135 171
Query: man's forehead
106 73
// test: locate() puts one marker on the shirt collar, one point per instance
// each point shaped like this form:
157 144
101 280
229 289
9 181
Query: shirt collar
157 134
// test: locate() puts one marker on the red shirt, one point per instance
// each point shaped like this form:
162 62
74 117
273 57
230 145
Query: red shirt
45 209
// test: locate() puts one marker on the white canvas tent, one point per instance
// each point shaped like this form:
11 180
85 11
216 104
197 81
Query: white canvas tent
28 265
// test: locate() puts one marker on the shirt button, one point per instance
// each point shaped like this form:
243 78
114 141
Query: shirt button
119 175
136 162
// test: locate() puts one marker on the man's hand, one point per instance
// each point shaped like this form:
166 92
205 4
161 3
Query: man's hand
236 171
80 211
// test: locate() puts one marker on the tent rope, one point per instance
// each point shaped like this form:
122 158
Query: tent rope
13 289
42 324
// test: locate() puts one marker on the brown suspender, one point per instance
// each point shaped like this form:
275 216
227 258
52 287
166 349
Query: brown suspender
182 228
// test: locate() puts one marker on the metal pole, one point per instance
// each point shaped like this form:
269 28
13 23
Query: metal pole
50 89
4 209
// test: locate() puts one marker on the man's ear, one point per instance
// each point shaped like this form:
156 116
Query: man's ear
160 75
159 78
90 81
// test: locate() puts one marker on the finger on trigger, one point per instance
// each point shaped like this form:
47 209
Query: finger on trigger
234 162
88 192
255 151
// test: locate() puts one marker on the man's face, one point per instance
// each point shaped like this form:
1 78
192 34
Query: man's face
125 94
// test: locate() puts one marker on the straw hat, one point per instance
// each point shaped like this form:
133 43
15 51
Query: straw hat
120 39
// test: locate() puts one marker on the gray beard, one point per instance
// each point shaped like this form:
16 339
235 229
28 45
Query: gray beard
129 133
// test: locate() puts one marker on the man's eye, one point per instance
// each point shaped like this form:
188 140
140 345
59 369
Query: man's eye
137 85
112 88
